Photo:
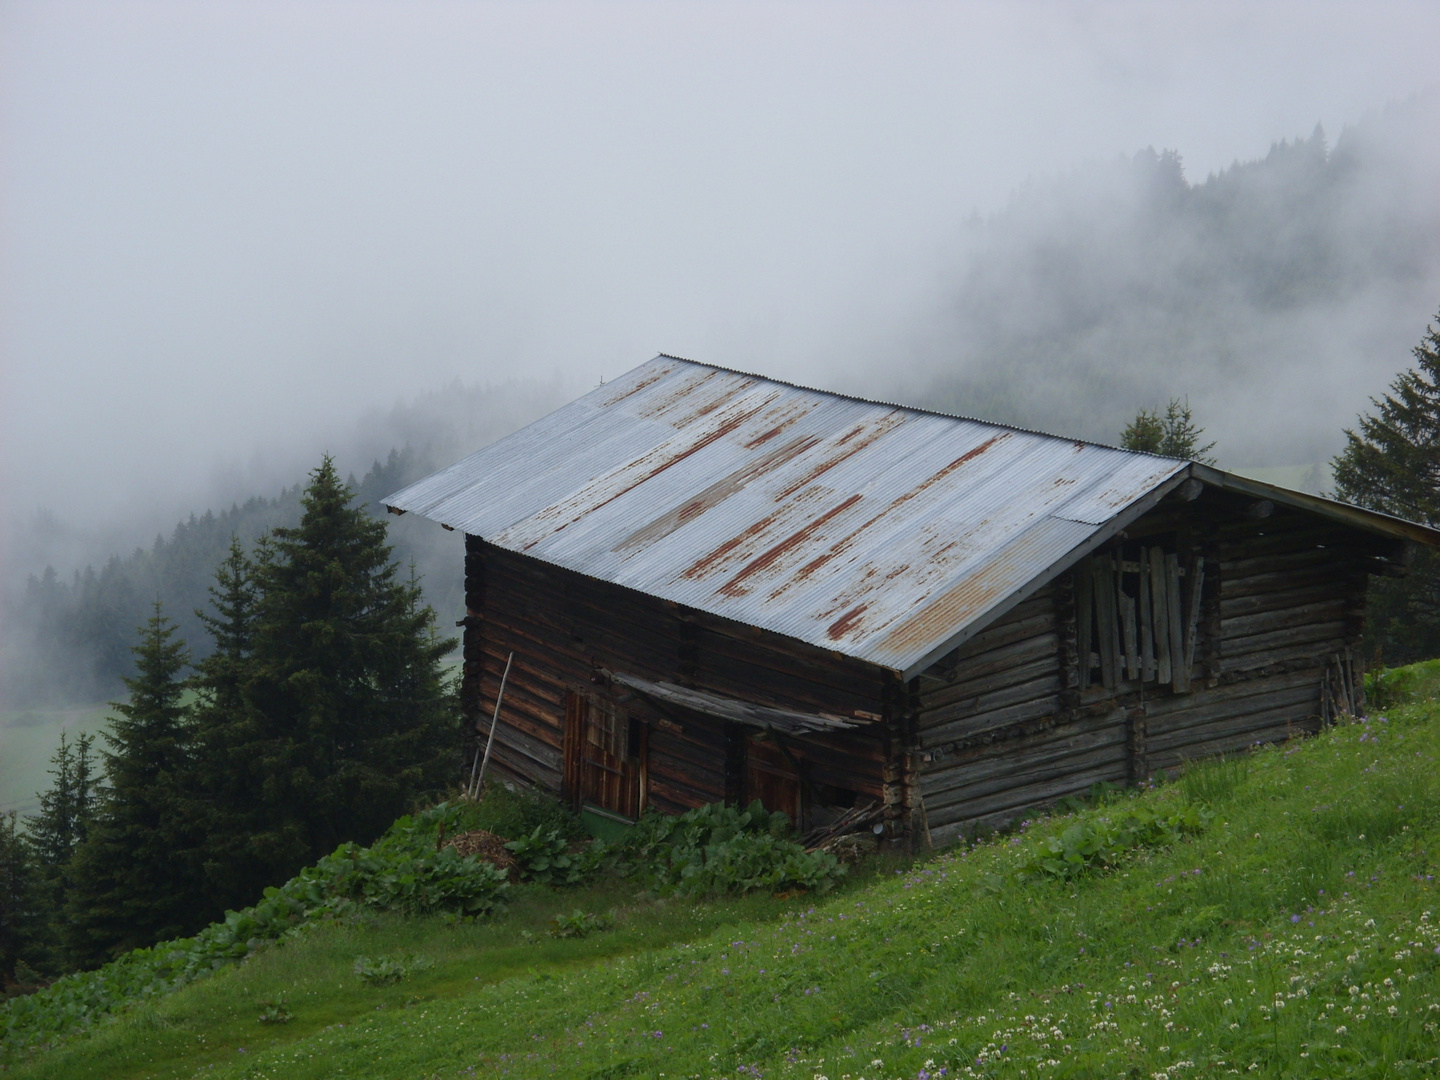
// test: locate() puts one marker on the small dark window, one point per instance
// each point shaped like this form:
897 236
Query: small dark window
1137 610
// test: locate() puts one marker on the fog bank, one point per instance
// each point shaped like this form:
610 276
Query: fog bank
227 230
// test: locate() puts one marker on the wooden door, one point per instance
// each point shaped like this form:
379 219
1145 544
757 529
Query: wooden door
771 777
603 755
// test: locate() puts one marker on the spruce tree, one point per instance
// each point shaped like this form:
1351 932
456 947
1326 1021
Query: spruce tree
21 919
1171 434
346 717
1392 464
131 883
65 809
55 833
226 784
220 676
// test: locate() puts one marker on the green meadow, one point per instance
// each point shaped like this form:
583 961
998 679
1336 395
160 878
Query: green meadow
1295 932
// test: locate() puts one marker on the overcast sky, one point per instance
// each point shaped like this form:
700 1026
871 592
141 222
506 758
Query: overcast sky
228 229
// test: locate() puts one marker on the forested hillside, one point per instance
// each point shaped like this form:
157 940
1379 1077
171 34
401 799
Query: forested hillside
1276 295
67 638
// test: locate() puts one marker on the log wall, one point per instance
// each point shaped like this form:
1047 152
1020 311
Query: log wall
563 626
1007 722
1001 725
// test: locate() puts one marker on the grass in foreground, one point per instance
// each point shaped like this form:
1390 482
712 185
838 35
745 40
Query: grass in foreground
311 987
1297 934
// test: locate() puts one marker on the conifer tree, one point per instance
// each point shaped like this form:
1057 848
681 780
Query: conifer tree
55 833
345 716
1173 434
220 675
66 809
226 785
131 883
1392 464
21 921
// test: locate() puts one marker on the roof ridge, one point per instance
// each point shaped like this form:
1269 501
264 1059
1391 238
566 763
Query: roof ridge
913 408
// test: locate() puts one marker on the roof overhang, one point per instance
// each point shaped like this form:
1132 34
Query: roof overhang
1342 513
722 707
1106 532
870 531
1370 520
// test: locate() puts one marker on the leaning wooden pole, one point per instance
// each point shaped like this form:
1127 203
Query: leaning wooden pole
494 723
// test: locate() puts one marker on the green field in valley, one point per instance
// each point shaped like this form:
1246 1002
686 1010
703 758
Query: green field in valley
28 737
1294 931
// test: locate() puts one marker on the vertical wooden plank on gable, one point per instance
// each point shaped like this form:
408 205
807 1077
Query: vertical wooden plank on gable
1196 575
1117 645
1158 595
1147 629
1067 627
1106 630
1127 626
1084 622
1180 675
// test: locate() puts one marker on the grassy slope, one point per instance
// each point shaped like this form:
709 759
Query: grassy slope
1293 937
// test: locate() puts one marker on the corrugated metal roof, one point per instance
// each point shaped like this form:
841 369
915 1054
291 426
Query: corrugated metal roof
872 530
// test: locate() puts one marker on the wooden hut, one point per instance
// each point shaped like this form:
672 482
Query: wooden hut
717 586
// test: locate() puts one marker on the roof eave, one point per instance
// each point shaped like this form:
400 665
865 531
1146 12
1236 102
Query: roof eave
1356 516
1101 535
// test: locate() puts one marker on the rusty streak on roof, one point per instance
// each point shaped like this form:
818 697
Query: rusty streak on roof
883 533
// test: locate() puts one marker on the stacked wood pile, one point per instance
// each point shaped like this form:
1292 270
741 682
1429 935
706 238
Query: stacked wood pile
487 847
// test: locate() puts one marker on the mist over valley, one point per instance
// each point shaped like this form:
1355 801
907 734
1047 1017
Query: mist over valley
1275 296
283 269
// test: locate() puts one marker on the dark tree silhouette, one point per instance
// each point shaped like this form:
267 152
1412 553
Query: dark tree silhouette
326 712
1171 434
1392 464
131 883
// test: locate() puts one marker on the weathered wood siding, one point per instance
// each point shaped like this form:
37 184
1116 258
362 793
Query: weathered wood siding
996 729
1002 725
1290 602
562 626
